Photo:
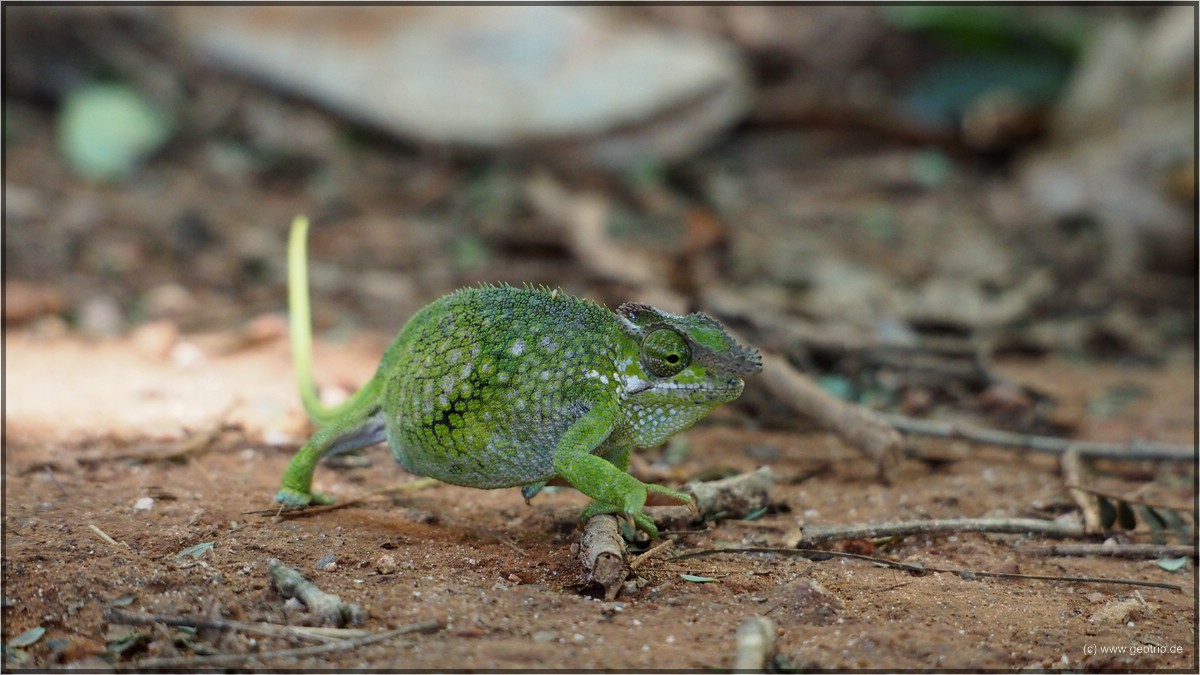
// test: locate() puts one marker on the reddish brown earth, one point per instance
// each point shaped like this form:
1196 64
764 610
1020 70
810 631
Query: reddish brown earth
501 576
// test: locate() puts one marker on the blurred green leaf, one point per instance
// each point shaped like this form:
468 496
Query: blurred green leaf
943 93
28 637
1172 564
756 513
838 386
194 551
931 168
696 579
126 642
106 130
990 28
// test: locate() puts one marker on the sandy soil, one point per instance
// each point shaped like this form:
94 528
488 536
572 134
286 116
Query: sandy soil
82 418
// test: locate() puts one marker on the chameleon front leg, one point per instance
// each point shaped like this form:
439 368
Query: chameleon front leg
358 427
610 487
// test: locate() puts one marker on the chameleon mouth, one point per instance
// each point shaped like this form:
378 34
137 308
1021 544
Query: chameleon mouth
733 385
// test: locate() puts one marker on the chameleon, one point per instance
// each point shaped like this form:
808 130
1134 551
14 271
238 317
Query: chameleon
498 386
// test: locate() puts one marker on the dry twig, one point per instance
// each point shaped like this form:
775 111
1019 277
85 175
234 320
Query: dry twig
821 554
104 536
1074 473
602 552
814 535
646 556
732 497
1146 551
226 660
755 644
864 429
327 606
194 444
322 634
1135 449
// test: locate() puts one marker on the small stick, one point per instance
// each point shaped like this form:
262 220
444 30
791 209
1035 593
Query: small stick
61 490
651 553
398 488
1135 449
329 607
113 615
191 444
584 216
1118 550
103 535
814 535
755 644
602 552
867 431
1074 474
820 554
196 662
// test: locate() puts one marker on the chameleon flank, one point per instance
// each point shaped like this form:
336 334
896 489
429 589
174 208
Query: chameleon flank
498 386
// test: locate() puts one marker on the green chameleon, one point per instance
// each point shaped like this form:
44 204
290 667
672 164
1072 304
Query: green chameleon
498 386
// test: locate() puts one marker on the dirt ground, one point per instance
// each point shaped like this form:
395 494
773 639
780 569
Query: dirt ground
501 576
150 406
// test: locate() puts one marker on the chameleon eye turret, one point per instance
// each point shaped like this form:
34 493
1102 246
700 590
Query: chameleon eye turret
497 386
665 352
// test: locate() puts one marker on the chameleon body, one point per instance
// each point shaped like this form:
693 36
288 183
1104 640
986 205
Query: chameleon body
497 386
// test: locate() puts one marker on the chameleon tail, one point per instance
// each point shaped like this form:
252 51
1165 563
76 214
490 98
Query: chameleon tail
300 324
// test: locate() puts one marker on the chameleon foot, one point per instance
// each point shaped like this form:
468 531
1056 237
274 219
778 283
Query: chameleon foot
637 519
292 498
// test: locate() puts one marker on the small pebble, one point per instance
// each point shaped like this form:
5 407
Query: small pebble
143 504
186 355
168 301
266 327
386 564
156 339
101 317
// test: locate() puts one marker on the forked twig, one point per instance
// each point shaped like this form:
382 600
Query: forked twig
820 554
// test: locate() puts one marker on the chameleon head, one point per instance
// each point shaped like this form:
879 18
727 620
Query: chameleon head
684 367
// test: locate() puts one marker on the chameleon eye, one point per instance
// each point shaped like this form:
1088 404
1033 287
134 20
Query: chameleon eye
665 353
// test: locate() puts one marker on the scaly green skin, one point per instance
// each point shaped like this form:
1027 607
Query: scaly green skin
498 386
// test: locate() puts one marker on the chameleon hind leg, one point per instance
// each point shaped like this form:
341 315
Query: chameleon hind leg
358 427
